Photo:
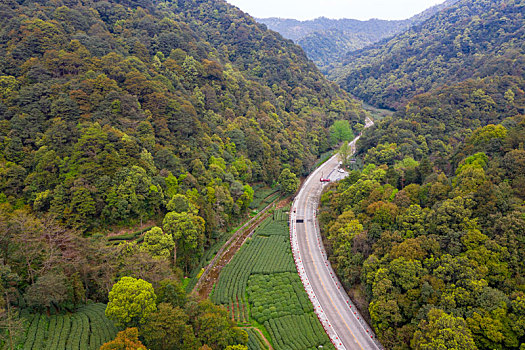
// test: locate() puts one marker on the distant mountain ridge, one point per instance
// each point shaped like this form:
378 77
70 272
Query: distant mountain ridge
326 41
297 30
472 39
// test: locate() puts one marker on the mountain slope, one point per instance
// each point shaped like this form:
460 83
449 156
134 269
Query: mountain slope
130 132
473 38
429 235
189 97
327 41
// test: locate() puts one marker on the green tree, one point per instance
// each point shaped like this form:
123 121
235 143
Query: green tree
441 332
478 160
136 263
158 244
385 313
452 214
490 137
407 169
133 195
493 329
131 302
412 221
345 153
127 339
187 231
8 85
384 153
406 273
237 347
343 232
518 315
165 329
214 328
246 198
48 289
180 203
288 181
82 208
171 291
340 131
12 326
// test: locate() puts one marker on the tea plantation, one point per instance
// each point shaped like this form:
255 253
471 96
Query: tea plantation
261 286
255 340
86 329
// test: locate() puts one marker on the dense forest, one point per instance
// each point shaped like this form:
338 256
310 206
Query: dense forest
156 114
109 110
431 232
471 39
429 236
327 41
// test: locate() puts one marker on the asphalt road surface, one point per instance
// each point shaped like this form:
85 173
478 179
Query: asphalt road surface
337 313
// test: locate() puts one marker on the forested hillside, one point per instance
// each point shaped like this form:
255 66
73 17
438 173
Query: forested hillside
471 39
327 41
115 114
108 109
430 235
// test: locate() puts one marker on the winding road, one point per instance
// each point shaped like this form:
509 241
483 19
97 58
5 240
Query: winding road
337 313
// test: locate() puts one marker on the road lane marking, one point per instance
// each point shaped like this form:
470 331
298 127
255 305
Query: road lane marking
305 185
308 195
334 337
324 287
365 329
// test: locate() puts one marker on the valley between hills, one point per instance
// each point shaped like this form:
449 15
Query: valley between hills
175 175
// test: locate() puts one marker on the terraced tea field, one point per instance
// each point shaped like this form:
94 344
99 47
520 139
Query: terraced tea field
86 329
261 286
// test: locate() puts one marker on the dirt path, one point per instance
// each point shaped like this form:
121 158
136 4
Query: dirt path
117 231
205 284
262 335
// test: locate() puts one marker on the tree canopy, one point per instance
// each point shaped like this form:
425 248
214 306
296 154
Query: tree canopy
104 118
131 302
430 229
288 181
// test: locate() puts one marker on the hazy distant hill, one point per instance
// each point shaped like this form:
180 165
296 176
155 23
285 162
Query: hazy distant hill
326 41
298 30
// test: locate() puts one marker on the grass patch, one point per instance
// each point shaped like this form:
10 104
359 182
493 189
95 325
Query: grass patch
263 195
322 159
